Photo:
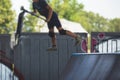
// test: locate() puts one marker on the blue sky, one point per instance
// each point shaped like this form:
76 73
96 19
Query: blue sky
106 8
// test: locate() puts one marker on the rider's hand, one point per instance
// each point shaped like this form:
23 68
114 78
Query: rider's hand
33 13
47 20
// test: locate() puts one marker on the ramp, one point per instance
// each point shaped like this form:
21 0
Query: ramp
92 67
35 63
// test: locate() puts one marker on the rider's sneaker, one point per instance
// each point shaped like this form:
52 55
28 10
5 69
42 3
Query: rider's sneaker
53 48
78 40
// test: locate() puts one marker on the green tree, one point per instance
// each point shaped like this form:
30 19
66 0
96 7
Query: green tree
7 17
114 25
66 8
69 9
74 11
96 22
29 23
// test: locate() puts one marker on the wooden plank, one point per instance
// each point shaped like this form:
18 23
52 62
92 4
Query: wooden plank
34 59
53 63
38 64
25 58
5 44
63 54
0 45
27 53
17 56
44 65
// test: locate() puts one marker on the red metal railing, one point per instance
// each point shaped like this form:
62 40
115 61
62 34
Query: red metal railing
4 60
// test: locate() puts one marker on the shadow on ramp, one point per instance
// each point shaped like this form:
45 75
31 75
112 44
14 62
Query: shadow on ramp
92 67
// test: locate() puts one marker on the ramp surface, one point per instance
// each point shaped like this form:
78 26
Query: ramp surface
92 67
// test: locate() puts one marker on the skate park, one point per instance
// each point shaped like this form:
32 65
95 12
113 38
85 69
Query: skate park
33 62
29 60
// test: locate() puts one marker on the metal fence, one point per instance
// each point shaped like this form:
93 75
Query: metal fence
6 73
105 42
7 69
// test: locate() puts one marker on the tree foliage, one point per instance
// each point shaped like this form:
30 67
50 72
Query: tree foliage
32 23
114 25
29 23
74 11
7 17
68 9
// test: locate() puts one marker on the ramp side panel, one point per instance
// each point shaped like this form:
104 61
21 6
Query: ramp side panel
92 67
